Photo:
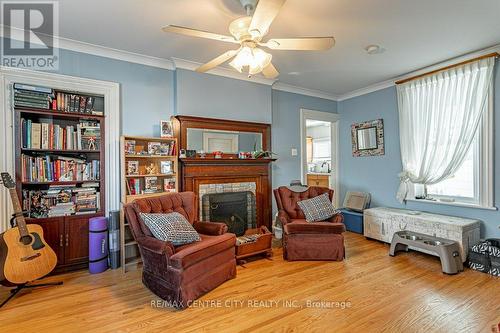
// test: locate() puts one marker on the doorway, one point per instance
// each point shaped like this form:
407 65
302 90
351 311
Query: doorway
319 150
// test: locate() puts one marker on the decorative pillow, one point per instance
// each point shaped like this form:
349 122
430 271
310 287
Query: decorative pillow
171 227
319 208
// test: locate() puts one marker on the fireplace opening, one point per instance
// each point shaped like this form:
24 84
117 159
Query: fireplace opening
235 209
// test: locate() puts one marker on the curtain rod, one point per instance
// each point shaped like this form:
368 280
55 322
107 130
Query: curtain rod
489 55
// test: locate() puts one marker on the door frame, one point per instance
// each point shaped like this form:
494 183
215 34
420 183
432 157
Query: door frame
333 119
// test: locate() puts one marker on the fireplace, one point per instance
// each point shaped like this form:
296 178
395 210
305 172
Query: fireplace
207 175
235 209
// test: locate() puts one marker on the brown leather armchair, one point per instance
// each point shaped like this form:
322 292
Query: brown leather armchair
181 274
304 240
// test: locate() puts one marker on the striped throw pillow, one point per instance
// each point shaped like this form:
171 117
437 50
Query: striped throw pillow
171 227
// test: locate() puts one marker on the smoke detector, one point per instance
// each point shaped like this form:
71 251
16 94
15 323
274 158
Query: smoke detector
374 49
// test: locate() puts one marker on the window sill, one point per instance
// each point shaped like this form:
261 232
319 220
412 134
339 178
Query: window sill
457 204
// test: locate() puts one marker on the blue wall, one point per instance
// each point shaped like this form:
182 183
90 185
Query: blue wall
146 93
212 96
378 174
286 131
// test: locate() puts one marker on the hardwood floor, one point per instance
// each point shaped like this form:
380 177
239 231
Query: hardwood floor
407 293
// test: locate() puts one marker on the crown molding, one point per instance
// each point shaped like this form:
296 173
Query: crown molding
221 71
103 51
304 91
99 50
391 82
367 90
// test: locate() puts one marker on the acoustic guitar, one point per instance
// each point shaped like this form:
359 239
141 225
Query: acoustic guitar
24 254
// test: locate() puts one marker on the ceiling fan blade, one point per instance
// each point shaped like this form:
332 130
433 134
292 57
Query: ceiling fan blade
216 61
270 71
264 15
198 33
301 44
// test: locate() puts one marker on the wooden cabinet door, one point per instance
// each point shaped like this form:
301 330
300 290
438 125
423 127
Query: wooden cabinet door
323 181
76 239
311 180
53 235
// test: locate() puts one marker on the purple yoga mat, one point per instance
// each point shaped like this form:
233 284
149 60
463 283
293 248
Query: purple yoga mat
98 245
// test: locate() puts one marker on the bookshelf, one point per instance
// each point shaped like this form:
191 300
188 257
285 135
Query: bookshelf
59 165
149 167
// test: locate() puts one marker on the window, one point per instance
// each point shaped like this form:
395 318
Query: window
472 183
321 148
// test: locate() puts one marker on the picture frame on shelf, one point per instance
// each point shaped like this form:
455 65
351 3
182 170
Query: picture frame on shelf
166 149
169 185
166 129
166 167
130 147
133 168
150 184
154 148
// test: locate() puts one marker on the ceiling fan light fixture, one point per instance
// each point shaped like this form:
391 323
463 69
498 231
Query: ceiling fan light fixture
254 59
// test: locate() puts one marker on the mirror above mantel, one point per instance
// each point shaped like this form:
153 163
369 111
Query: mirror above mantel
228 142
208 135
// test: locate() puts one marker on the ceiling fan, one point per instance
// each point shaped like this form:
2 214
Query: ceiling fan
248 32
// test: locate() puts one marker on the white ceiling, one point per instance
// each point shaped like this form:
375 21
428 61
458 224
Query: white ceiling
415 33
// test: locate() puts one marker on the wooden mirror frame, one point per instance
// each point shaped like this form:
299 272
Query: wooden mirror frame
182 123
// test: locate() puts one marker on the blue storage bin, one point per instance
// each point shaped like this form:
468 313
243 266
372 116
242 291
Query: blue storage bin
353 221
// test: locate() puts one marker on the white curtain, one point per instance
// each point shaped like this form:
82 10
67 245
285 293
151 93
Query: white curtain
439 116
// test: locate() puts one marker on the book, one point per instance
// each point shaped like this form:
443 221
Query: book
41 105
58 101
154 148
36 133
35 94
66 103
89 105
150 184
133 168
72 98
135 186
45 136
29 87
83 102
166 167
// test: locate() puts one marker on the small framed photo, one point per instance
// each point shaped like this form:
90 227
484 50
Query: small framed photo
130 147
166 128
169 185
154 148
165 149
150 184
166 167
132 168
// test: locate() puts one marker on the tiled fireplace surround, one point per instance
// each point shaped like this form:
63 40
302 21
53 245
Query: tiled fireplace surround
223 188
230 175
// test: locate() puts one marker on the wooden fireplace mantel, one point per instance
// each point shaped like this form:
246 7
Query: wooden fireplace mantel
232 161
229 169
